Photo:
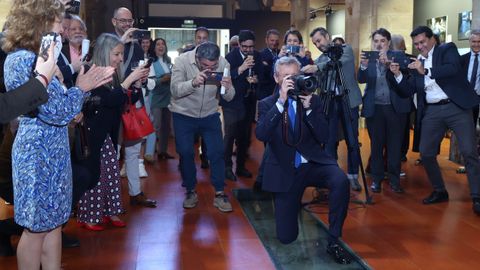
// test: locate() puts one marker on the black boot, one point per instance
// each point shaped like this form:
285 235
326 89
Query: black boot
6 248
8 227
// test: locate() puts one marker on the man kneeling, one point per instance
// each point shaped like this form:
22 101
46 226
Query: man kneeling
297 158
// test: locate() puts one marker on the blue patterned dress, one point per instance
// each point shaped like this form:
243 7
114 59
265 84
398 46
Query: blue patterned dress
42 174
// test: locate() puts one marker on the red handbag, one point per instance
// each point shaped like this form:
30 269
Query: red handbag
136 123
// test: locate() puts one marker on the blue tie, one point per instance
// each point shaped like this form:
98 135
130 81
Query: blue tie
291 115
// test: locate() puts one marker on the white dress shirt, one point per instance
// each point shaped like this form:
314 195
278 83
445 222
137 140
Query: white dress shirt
434 92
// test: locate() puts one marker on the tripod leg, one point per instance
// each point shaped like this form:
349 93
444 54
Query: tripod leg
352 141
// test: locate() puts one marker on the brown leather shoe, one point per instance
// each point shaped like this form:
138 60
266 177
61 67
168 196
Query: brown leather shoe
142 200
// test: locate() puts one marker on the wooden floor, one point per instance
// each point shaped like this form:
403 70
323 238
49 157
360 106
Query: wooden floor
397 232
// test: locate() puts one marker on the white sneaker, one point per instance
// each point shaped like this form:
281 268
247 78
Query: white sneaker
123 172
141 168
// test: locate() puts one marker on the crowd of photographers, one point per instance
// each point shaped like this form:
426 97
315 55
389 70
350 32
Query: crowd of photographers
63 152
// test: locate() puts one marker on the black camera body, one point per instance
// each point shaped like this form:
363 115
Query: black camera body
334 51
141 34
74 7
214 77
303 85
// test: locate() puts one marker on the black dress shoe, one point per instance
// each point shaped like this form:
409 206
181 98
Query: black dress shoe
165 155
397 189
436 197
338 254
69 241
242 172
229 174
377 188
257 186
476 206
142 200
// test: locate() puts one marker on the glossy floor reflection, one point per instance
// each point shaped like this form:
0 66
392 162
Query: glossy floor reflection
307 252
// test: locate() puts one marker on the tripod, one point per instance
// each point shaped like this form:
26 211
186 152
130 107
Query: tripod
334 92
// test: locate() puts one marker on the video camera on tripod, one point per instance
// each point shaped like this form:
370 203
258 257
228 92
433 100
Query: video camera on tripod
334 51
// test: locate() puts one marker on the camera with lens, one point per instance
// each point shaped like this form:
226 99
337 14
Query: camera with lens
334 51
74 7
303 85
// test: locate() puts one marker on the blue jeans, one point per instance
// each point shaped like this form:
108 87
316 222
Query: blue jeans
210 129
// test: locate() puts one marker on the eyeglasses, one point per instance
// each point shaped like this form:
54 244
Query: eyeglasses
125 21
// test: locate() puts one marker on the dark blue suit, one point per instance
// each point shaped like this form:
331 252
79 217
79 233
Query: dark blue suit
267 82
385 123
287 182
63 64
465 62
435 119
239 113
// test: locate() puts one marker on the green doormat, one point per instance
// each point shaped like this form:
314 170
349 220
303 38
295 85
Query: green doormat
307 252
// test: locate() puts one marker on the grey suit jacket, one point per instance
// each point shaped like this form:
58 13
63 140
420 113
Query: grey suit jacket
348 67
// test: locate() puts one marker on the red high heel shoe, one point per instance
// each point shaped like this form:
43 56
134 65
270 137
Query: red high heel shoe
115 223
94 227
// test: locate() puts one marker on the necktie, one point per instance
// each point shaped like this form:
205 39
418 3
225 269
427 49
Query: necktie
291 115
473 77
274 53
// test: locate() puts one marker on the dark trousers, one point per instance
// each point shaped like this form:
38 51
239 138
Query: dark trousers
406 135
436 120
475 111
236 129
288 204
261 168
210 129
386 128
335 115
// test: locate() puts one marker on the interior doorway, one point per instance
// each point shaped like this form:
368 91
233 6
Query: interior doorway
180 38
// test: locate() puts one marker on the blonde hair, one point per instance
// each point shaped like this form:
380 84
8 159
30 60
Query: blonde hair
28 20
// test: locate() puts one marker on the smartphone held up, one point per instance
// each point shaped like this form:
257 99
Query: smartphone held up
47 39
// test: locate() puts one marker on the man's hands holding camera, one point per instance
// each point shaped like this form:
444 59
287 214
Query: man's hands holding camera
415 64
288 85
128 35
311 69
202 76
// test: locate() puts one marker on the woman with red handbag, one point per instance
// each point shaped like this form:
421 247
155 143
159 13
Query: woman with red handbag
102 204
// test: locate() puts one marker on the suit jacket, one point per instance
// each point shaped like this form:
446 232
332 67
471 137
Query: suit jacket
348 68
267 82
448 74
239 81
102 118
401 104
22 100
279 172
465 62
